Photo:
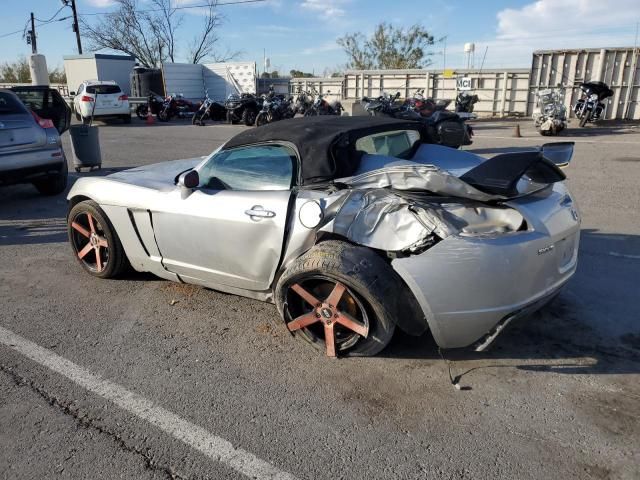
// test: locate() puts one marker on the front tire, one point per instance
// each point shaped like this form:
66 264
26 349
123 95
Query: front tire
94 241
261 119
249 117
142 112
585 118
343 299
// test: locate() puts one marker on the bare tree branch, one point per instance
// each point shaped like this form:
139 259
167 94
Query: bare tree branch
151 34
203 44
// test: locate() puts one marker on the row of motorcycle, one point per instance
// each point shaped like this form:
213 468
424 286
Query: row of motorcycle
443 127
243 108
550 116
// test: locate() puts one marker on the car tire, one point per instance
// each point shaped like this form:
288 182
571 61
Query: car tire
374 294
249 117
54 185
78 116
94 241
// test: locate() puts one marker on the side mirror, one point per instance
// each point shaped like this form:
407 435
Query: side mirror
189 179
559 153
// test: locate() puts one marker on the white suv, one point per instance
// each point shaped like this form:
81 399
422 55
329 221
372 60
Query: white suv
102 99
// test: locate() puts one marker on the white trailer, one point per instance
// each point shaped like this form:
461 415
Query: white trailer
99 66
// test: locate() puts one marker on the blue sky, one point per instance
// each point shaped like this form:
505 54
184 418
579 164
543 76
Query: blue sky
301 33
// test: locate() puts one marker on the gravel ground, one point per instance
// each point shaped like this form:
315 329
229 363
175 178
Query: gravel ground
557 396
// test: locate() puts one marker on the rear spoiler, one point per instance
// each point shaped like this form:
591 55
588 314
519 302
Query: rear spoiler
499 175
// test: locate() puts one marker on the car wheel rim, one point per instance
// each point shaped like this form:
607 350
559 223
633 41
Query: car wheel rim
326 310
89 242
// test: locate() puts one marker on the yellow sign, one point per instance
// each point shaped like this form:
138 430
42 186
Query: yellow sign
448 73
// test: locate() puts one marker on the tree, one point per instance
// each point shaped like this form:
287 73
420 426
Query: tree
273 74
16 72
19 72
57 75
150 33
300 74
388 48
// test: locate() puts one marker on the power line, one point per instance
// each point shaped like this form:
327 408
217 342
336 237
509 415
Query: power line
54 15
205 5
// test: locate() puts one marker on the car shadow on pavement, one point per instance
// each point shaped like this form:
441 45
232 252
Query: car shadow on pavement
590 328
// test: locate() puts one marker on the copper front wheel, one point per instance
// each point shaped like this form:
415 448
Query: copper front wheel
94 242
327 311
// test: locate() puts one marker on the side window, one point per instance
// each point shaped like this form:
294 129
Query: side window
396 143
79 91
261 167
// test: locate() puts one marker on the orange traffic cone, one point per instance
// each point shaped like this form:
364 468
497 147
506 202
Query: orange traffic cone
150 120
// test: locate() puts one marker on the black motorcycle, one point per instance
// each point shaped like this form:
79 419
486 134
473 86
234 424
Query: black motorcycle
209 109
590 107
154 104
465 102
274 108
242 108
442 126
303 102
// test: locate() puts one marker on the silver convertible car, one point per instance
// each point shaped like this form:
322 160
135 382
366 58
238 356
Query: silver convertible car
352 226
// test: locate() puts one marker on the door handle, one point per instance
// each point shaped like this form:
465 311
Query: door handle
260 212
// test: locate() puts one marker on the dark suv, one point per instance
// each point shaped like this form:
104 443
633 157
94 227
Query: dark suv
31 121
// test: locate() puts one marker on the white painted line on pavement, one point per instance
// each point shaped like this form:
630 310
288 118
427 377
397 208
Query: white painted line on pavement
214 447
624 255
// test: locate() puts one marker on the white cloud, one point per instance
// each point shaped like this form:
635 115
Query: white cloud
554 24
328 7
560 16
101 3
329 46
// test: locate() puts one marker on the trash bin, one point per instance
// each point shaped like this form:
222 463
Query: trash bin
85 146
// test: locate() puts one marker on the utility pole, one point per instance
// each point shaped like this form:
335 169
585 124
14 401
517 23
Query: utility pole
76 27
32 35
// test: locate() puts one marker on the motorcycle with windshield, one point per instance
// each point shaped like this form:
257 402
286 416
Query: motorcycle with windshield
590 107
465 102
550 114
209 109
274 108
320 106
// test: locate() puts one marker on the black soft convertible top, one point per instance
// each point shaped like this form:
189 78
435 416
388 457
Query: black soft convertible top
326 143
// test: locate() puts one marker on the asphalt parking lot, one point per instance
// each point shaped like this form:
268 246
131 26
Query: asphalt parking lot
190 369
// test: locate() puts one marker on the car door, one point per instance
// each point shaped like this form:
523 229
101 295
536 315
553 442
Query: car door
46 103
231 229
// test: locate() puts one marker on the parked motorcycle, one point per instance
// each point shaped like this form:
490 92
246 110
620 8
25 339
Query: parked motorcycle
590 107
209 109
176 106
550 115
274 108
154 105
442 126
243 108
322 107
465 102
303 101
